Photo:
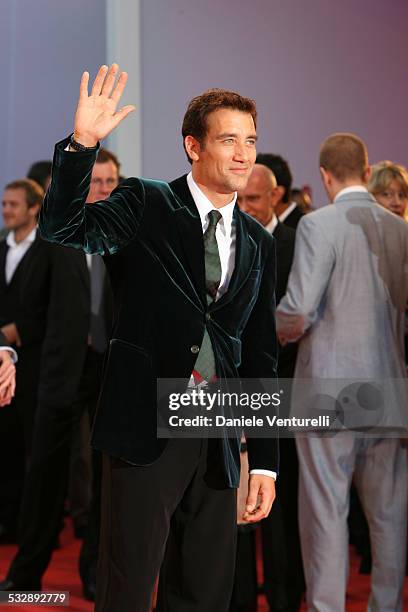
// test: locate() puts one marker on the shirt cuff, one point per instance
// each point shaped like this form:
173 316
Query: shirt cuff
10 350
265 473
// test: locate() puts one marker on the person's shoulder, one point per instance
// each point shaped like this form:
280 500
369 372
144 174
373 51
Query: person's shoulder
322 216
284 232
256 230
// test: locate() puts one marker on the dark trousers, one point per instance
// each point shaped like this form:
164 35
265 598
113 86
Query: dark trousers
284 582
16 431
165 515
45 487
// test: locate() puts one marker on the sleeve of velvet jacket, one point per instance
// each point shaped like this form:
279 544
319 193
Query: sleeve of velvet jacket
104 227
259 358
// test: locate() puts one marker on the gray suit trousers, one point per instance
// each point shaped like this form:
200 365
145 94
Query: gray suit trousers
379 470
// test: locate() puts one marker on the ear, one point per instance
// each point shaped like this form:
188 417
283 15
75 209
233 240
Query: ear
367 174
276 195
192 147
279 192
325 176
34 211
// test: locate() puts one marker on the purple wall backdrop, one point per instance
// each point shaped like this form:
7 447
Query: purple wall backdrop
313 67
44 45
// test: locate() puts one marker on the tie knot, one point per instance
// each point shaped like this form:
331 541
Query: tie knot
213 217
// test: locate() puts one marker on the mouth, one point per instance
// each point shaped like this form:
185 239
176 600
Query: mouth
239 170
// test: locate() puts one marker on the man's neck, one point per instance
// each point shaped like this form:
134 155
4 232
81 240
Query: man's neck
217 199
281 207
21 233
337 187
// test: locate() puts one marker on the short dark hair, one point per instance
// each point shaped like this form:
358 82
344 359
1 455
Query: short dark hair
281 170
200 107
344 155
105 156
40 171
33 191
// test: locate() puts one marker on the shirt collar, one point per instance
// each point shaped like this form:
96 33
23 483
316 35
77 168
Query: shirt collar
11 241
287 212
204 206
271 226
352 189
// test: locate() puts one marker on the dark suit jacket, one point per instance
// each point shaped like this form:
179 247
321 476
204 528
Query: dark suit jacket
293 219
285 248
151 235
47 299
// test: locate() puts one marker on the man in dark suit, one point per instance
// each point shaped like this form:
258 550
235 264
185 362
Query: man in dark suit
193 284
39 315
287 210
283 569
91 315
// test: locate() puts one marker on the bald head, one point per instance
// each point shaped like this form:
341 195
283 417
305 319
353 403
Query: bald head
260 196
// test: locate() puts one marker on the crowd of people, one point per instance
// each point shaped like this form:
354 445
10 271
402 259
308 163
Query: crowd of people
341 290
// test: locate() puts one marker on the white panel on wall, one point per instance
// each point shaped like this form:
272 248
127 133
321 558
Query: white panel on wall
123 47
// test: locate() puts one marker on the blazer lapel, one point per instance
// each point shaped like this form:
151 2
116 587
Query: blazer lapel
245 252
191 236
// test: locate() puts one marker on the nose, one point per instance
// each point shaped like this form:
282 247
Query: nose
240 152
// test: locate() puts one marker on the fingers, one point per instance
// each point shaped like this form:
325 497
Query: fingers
7 367
122 113
109 80
99 80
83 86
6 373
120 87
6 396
260 499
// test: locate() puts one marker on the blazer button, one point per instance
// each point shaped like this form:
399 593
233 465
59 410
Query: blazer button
195 349
208 316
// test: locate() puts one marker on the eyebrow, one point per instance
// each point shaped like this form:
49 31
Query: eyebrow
232 135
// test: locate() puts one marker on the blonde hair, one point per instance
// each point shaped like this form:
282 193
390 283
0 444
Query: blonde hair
383 173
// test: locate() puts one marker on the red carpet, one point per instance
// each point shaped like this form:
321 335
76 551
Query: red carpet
63 575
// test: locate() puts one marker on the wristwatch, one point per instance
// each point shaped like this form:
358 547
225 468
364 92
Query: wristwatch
77 146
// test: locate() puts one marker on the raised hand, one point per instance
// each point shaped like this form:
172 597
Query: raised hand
96 115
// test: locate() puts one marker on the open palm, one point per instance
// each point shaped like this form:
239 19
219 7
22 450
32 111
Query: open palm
96 115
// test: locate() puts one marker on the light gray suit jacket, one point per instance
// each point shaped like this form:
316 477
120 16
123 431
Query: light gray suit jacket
347 294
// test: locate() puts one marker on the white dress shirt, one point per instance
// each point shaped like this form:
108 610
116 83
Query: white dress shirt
271 226
287 212
225 235
16 252
225 232
351 189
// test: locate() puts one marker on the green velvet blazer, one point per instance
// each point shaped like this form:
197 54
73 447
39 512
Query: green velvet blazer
150 235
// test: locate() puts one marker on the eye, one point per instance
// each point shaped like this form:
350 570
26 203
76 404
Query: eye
228 140
251 142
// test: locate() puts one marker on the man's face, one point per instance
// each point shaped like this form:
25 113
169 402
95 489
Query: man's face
259 197
226 157
16 213
105 177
